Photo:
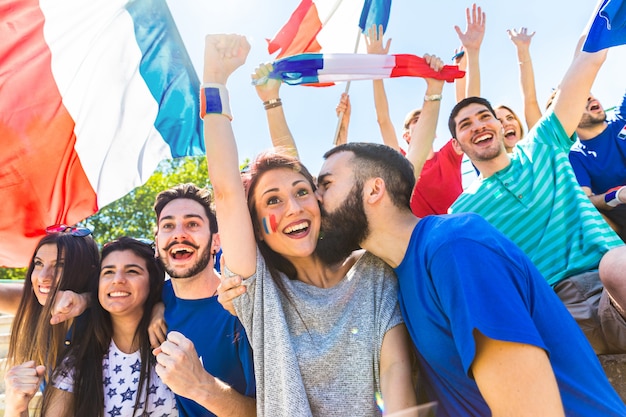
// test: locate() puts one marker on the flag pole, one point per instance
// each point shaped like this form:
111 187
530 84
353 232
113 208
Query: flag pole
332 12
340 116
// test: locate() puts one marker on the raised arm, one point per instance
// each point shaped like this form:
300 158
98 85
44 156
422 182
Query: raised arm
521 39
460 84
424 132
374 42
343 110
223 55
471 40
570 101
268 92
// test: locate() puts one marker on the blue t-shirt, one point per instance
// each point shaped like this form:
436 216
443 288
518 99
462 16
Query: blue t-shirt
460 274
219 339
600 163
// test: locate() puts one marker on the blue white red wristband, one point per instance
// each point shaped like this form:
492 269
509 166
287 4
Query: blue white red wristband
611 198
214 100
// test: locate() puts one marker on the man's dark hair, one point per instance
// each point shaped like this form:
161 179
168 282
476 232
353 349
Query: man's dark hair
374 160
461 105
191 192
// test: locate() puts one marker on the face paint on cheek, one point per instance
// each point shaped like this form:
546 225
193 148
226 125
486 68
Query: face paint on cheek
269 224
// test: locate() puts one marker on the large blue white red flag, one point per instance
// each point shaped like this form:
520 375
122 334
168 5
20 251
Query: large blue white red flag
608 27
93 95
311 68
328 26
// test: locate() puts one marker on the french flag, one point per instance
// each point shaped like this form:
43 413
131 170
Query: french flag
93 95
332 68
328 25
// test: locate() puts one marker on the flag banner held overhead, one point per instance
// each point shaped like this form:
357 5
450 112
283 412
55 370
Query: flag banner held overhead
331 68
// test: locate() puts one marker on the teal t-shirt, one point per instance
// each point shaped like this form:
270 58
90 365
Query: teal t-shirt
537 202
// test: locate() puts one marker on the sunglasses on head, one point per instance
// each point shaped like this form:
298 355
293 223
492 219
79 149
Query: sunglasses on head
72 230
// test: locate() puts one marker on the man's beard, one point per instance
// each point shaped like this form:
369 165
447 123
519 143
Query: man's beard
482 155
344 229
588 120
199 266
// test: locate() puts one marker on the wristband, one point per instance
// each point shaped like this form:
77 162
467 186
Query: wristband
274 102
611 198
214 100
433 97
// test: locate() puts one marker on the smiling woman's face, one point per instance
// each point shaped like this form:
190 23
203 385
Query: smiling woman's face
46 271
124 284
512 128
288 212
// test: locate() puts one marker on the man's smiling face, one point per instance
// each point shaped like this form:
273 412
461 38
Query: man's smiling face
184 238
479 133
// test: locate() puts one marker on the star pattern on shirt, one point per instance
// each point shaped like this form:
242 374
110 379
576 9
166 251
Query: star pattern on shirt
121 375
136 367
160 401
128 394
115 411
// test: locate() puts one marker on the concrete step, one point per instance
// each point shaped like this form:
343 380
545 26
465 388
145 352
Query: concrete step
4 344
3 371
32 407
615 369
6 322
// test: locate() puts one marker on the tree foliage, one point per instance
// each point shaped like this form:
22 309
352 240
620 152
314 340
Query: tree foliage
132 215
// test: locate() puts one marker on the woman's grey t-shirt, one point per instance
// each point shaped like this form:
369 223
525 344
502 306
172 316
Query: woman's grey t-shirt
317 353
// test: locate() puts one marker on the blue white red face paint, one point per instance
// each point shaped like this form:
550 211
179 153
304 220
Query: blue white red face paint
269 224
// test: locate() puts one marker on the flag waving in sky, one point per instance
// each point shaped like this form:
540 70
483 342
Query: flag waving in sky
93 95
328 26
311 68
608 27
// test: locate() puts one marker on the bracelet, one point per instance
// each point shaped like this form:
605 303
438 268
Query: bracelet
432 97
271 103
214 100
523 62
611 198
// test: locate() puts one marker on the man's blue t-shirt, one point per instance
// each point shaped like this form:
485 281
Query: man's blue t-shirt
460 274
219 339
600 163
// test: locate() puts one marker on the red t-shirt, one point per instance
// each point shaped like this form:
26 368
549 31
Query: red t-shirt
439 184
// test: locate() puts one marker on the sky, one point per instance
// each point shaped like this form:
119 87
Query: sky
415 27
